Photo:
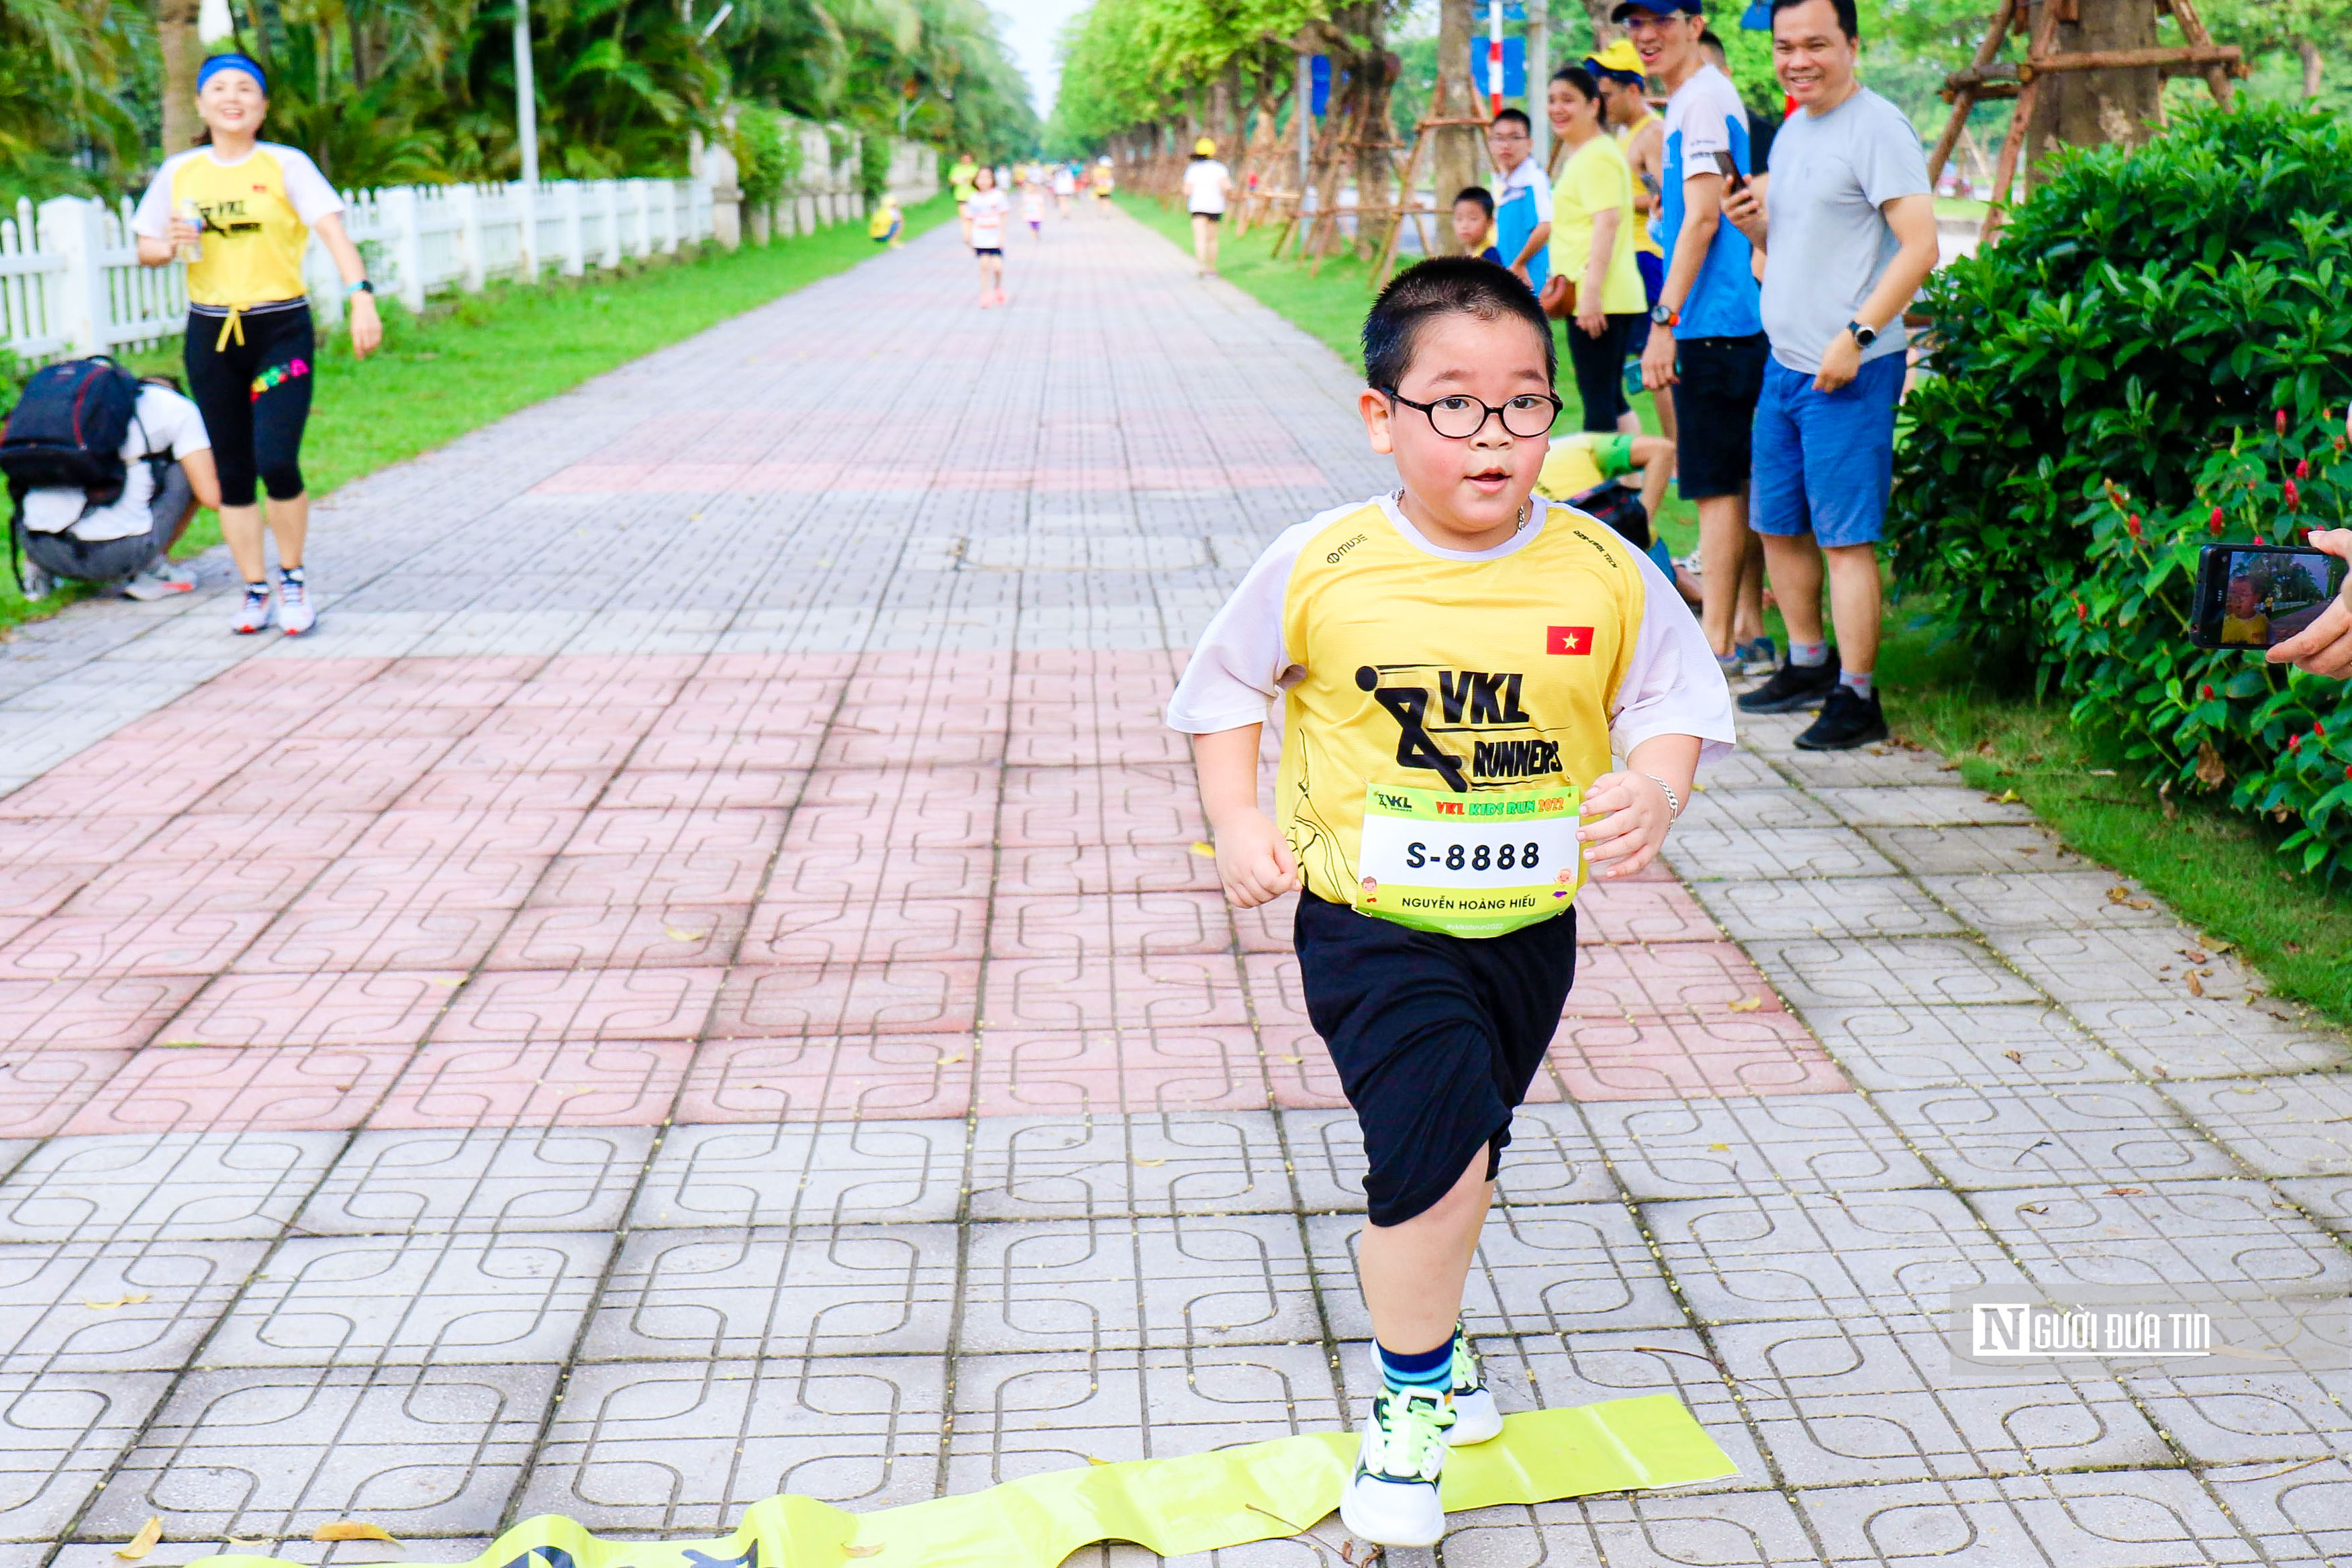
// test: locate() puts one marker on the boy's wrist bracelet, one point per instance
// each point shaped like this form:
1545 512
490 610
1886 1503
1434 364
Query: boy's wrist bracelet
1674 801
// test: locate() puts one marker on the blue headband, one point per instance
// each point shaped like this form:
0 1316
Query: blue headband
219 63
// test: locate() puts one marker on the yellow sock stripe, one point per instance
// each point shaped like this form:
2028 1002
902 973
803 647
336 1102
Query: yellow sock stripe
1200 1502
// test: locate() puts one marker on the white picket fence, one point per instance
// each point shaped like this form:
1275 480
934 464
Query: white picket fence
71 282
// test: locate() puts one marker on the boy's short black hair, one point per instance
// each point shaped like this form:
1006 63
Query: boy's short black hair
1849 18
1581 79
1440 286
1520 116
1709 40
1479 194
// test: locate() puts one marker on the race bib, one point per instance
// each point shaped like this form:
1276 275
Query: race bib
1478 864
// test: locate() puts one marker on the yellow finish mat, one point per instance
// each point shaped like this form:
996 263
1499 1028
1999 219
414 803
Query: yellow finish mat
1173 1506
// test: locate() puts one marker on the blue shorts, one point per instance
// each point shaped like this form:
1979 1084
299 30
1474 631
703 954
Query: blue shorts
1825 461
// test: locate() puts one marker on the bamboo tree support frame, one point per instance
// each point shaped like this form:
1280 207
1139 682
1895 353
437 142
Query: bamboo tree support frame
1987 76
1408 197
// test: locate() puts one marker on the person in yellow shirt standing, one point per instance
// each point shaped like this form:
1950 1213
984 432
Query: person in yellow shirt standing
1593 275
241 210
960 179
1641 134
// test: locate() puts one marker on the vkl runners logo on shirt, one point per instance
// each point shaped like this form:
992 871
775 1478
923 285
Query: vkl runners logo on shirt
1568 639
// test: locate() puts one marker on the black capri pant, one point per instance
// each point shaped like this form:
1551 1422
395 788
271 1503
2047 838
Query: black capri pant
250 378
1600 366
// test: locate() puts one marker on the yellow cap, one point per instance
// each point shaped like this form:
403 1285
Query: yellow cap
1618 57
1205 147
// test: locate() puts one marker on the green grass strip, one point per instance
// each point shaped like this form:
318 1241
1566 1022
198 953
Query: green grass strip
473 358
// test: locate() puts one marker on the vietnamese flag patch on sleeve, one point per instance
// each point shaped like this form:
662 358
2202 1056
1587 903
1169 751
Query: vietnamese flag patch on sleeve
1568 639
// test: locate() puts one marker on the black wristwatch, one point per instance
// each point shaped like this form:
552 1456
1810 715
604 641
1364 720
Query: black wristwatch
1863 336
361 287
1666 317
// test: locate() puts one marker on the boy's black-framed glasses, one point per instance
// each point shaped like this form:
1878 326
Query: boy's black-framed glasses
1459 418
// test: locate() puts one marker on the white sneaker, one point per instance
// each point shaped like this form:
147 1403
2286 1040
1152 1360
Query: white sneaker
254 611
35 584
1476 1418
1392 1499
160 579
295 614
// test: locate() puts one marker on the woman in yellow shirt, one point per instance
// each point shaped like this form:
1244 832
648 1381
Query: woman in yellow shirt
241 210
1592 251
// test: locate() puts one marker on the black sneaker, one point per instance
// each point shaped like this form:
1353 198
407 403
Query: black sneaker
1847 720
1792 686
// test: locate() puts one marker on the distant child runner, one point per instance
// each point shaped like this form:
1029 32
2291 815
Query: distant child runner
888 223
1474 224
242 210
1065 185
1104 182
1456 663
1207 186
1033 204
987 211
960 183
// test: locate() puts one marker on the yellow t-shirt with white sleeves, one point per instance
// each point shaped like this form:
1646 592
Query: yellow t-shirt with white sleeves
1449 685
256 218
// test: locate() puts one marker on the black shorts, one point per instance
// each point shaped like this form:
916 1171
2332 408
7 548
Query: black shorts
1212 217
1714 412
1435 1037
996 251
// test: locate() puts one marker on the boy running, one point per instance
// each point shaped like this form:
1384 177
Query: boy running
1456 662
986 210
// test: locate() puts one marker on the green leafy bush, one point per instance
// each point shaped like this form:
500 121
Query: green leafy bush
2279 740
767 154
2140 308
874 166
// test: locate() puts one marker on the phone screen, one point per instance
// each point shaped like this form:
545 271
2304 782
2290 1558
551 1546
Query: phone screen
1732 178
2256 595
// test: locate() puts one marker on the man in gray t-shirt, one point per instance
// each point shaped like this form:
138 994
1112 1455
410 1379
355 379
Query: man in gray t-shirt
1845 223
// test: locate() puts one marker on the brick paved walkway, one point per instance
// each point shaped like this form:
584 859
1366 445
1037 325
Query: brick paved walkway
699 980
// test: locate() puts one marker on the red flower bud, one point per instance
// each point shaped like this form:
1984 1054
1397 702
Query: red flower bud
2294 743
2318 728
2215 523
2082 613
2303 468
2281 422
2205 693
2131 523
2348 771
2258 539
2293 497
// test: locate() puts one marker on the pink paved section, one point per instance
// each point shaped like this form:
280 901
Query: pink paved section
624 889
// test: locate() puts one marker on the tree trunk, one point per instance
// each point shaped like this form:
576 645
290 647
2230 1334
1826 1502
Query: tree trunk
2090 108
1455 148
1376 71
176 31
2310 53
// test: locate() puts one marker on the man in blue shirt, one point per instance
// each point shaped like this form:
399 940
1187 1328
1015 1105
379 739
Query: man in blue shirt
1707 332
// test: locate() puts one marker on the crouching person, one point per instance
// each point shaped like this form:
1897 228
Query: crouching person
116 535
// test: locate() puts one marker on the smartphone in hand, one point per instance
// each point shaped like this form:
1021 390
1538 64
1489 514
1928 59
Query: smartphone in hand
1732 180
2255 595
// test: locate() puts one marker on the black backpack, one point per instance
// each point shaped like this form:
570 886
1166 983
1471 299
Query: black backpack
67 431
1620 507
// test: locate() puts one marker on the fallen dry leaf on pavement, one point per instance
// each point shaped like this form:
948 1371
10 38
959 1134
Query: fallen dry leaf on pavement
1204 851
139 1545
2196 986
679 933
1747 1005
131 1298
351 1529
863 1550
2126 1192
2017 1056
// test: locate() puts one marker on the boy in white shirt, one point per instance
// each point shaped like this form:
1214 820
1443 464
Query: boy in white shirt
1455 662
986 210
